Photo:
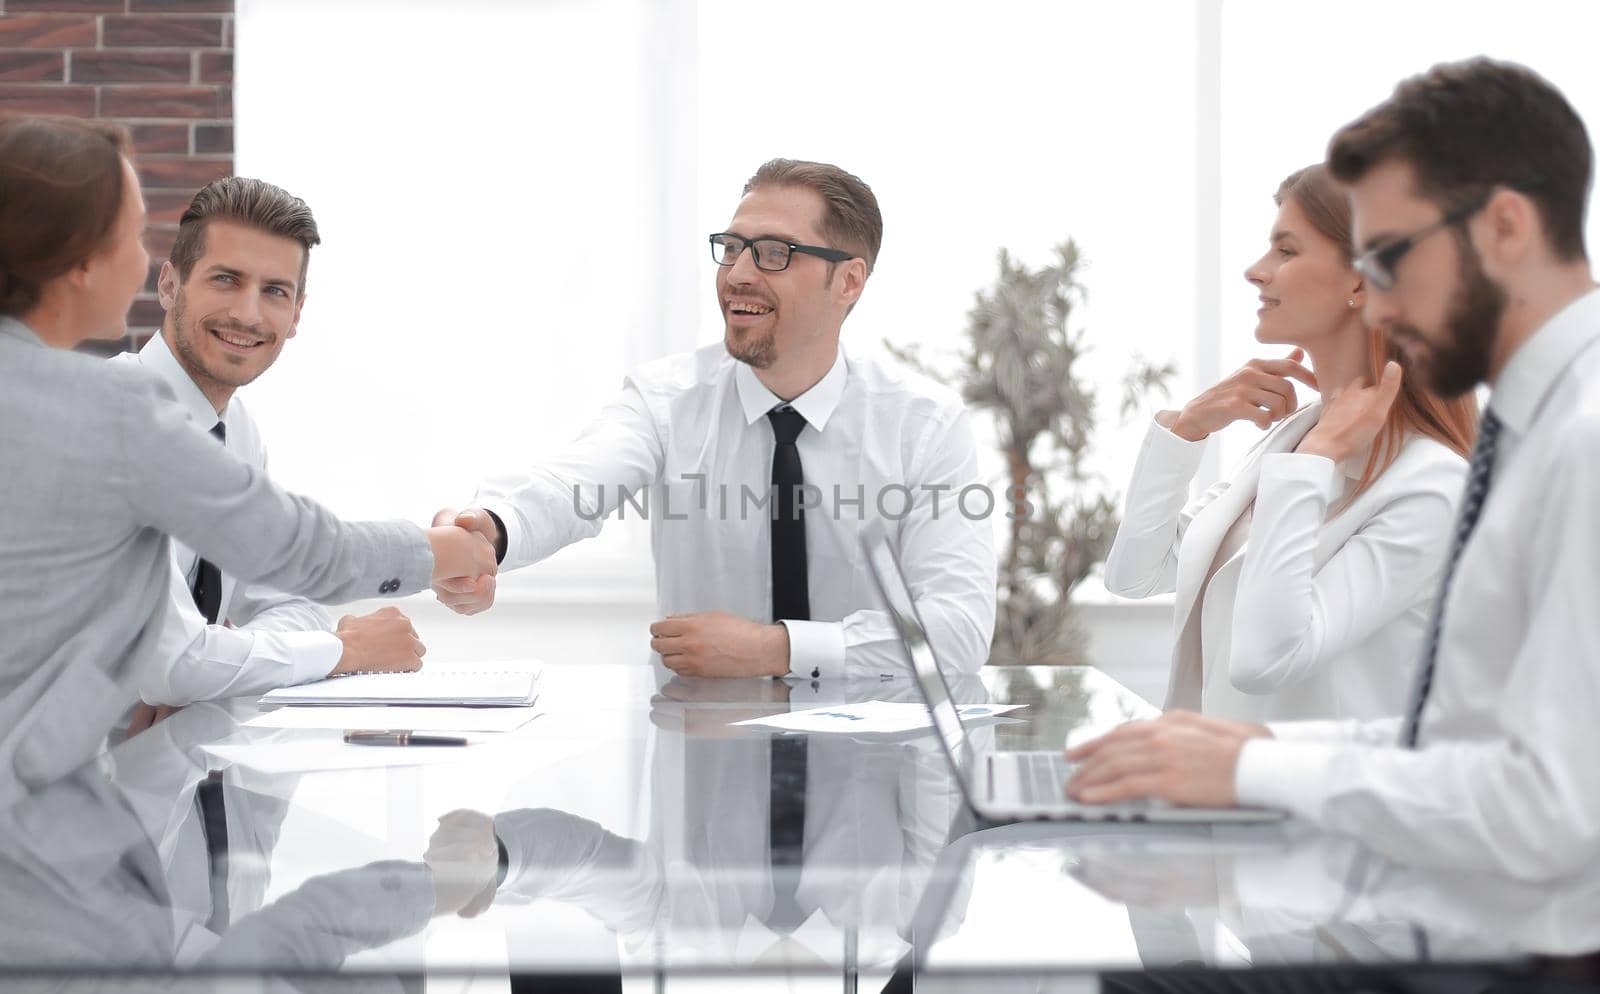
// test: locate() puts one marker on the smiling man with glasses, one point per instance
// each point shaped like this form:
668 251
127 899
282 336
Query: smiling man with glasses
759 460
1492 764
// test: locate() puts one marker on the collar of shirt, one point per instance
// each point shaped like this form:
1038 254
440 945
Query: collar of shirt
11 326
1542 360
815 405
157 357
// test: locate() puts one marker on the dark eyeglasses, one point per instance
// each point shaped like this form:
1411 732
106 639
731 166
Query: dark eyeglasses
770 254
1377 266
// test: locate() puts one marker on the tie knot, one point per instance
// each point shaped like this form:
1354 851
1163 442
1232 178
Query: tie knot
787 423
219 431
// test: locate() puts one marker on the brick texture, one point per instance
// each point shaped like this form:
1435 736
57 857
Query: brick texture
25 66
132 66
164 68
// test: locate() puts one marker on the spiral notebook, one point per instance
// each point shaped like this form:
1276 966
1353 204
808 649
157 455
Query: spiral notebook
483 685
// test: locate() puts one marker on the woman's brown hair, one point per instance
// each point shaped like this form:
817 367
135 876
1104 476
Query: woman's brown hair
1452 422
60 190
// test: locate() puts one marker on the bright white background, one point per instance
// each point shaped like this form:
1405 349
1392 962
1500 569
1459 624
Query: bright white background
459 154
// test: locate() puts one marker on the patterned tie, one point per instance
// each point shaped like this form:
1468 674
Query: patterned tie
207 587
791 600
1478 478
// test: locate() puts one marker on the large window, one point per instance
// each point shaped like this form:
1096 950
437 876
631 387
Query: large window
514 195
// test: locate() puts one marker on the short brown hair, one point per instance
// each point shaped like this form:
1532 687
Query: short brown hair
851 219
60 191
252 202
1467 127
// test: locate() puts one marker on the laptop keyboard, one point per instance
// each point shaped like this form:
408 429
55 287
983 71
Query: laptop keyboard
1043 777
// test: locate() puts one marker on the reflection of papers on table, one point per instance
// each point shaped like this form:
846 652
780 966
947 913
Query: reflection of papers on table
308 751
414 719
870 717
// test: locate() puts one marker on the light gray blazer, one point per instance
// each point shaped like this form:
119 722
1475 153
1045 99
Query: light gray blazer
98 465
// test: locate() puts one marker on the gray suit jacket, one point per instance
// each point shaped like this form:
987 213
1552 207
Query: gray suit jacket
98 466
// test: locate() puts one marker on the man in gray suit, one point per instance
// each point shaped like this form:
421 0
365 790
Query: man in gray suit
98 466
233 291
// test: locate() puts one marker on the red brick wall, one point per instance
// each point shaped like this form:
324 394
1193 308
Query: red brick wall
162 67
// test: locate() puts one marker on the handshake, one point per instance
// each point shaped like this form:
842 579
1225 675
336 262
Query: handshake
464 559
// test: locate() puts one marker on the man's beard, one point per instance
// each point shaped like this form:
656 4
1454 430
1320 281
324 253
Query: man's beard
184 336
755 350
1476 308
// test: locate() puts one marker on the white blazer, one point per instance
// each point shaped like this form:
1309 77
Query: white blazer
1322 612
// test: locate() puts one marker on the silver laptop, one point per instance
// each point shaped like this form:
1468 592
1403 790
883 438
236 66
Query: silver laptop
1006 785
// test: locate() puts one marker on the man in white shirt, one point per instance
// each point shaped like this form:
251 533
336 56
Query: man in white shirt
232 292
1469 187
760 458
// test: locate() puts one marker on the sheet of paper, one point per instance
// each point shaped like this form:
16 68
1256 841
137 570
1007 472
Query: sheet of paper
870 717
513 684
414 719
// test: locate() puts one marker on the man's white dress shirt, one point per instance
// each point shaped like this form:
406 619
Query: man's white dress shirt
1507 773
689 440
1294 598
275 639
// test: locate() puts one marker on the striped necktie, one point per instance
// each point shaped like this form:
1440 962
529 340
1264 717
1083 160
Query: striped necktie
1479 474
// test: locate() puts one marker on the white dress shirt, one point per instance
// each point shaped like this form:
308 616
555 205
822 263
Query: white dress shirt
271 639
1320 610
690 439
1506 776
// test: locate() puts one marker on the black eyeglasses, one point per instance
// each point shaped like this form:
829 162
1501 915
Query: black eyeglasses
770 254
1377 266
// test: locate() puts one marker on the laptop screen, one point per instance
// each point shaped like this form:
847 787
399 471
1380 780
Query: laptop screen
914 644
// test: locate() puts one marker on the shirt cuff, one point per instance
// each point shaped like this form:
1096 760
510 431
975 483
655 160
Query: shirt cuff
501 546
511 549
312 655
816 648
1277 774
1160 439
1321 730
1318 471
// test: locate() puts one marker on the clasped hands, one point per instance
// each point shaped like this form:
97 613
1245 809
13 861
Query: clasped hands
465 585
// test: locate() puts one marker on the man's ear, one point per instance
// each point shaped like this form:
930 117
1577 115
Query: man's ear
167 285
294 322
1510 227
853 279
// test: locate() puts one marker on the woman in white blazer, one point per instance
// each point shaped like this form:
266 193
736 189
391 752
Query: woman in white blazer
1304 581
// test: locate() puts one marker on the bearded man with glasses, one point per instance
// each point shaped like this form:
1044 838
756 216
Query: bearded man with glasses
1468 189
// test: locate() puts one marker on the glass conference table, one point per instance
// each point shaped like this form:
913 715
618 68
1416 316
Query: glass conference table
641 841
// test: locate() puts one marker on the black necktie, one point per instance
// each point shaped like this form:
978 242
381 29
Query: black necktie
214 827
790 601
1478 478
208 579
213 817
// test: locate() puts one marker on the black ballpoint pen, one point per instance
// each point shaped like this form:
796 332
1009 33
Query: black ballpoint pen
393 737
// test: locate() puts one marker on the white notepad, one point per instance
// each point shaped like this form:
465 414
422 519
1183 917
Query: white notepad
484 685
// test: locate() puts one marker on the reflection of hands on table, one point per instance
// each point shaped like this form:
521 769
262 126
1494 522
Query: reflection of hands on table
765 696
464 857
1141 878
